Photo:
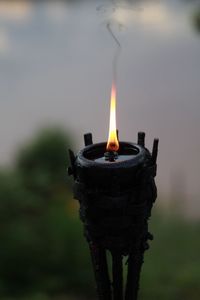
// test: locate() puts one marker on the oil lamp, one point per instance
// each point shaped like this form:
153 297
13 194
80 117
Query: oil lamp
114 184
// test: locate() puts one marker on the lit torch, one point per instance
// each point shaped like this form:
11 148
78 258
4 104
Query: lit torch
116 192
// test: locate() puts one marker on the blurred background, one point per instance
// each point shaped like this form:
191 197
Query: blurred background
55 80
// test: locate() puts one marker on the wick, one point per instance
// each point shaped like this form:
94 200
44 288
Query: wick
111 156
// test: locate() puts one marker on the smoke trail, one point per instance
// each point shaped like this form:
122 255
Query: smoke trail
115 6
117 52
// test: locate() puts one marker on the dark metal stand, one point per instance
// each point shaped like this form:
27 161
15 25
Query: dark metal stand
134 268
115 205
117 271
134 262
100 267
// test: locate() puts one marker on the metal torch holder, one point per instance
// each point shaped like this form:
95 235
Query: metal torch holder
115 204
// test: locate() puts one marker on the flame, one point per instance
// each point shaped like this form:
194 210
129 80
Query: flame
113 143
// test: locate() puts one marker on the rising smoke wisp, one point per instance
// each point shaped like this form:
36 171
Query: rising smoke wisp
117 52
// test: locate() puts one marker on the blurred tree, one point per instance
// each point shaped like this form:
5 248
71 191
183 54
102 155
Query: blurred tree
39 245
171 269
43 254
196 20
40 239
43 163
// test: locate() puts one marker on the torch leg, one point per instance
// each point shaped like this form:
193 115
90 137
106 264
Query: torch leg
101 272
134 268
117 270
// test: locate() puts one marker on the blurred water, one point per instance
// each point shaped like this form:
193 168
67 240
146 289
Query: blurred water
56 67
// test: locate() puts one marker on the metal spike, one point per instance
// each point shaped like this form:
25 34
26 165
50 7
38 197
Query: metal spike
72 160
141 138
88 139
155 150
117 134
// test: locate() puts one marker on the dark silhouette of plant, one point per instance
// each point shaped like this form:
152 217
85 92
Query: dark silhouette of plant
43 163
43 254
196 21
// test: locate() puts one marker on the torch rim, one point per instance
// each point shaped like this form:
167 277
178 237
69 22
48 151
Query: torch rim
139 157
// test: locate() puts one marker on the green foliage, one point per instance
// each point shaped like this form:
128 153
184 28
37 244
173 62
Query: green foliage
171 269
196 20
43 163
42 251
43 254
